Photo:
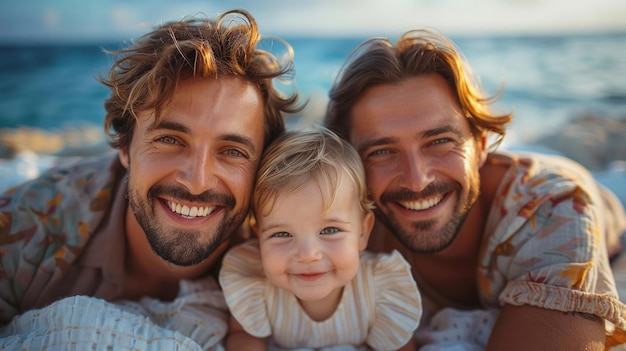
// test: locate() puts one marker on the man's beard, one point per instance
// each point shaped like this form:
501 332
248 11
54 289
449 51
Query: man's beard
421 237
178 246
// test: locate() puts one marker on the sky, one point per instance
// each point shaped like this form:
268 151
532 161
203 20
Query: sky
80 20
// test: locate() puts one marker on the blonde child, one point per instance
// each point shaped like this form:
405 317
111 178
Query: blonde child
306 282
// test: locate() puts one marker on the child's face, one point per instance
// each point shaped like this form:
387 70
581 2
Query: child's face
311 252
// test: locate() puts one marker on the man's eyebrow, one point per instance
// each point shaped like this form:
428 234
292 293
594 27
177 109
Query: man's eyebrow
442 130
375 142
240 139
390 140
171 125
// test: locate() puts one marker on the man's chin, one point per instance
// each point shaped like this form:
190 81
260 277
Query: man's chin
185 258
419 238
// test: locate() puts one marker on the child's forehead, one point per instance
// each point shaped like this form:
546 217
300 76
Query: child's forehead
329 184
328 192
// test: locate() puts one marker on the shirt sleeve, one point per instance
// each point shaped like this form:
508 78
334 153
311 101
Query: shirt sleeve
548 249
398 304
557 262
244 285
44 224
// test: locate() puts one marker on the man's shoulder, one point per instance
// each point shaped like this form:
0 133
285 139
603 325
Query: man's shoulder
88 169
536 164
77 192
79 176
542 174
539 186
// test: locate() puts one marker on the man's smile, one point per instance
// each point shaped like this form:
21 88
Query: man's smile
193 211
419 205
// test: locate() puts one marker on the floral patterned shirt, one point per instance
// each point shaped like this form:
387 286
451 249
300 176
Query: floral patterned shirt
62 235
545 242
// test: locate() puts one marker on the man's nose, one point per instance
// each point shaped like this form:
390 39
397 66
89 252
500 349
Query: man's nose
199 171
416 172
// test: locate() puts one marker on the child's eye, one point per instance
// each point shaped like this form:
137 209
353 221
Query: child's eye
330 230
280 235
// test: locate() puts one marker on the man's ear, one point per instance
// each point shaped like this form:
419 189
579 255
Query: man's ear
481 149
368 224
124 157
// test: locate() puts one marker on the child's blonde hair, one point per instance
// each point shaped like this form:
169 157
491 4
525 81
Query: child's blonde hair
297 157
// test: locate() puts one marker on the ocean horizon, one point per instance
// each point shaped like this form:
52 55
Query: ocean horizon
44 85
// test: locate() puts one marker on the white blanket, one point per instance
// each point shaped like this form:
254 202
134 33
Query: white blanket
196 320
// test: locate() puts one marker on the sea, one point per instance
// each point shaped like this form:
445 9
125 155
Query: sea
547 81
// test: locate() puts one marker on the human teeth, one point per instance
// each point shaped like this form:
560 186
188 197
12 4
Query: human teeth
421 205
187 211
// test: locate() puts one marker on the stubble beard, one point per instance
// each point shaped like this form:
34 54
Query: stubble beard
422 236
178 246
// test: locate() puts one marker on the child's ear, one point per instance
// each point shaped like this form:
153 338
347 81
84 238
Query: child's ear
368 224
254 226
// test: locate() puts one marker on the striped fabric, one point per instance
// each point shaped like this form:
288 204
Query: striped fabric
196 320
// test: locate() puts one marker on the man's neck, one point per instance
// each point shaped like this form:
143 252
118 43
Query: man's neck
451 274
147 274
449 277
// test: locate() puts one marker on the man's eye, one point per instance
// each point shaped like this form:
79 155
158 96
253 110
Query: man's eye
441 141
378 152
330 230
235 153
167 140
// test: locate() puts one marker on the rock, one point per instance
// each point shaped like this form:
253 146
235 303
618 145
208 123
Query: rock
78 141
593 141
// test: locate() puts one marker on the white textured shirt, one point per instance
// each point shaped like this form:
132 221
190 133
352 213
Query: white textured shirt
380 308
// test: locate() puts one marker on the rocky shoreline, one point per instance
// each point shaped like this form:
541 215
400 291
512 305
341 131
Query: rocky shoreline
79 141
597 143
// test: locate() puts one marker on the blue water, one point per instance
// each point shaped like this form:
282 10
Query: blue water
52 86
547 80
